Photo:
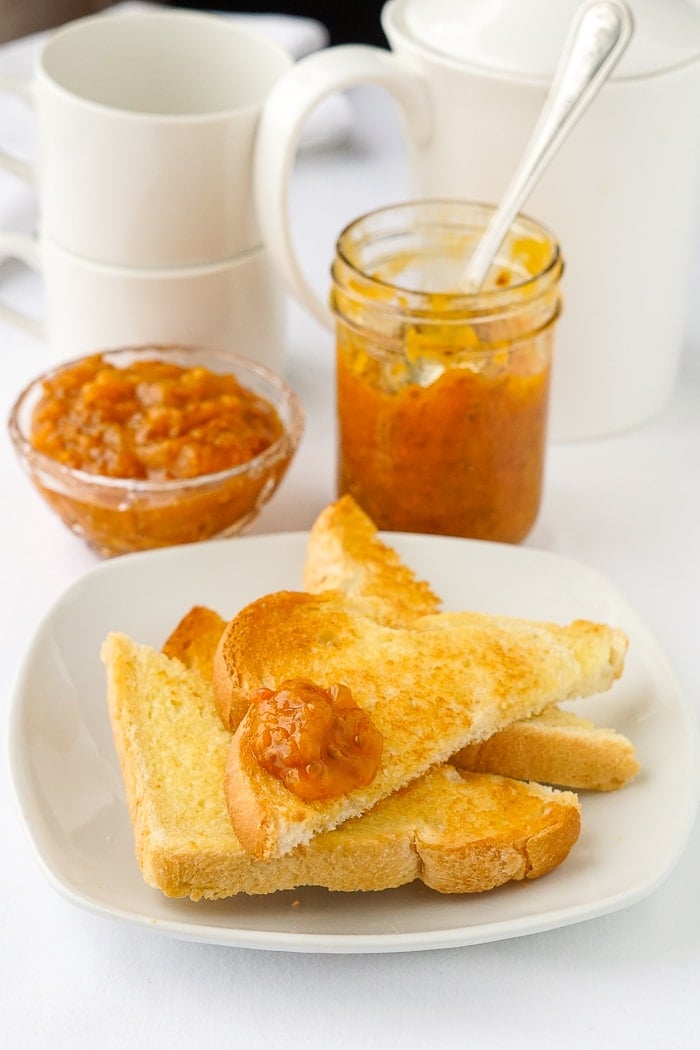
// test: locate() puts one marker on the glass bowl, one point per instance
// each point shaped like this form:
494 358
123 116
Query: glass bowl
119 515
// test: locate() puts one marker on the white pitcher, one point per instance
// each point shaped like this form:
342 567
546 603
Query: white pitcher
622 196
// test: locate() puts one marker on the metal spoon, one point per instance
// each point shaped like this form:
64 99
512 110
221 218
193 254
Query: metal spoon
596 41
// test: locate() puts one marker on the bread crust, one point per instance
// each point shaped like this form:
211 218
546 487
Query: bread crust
496 853
555 747
195 639
227 698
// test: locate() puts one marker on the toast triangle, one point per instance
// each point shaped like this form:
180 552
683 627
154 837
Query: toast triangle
431 688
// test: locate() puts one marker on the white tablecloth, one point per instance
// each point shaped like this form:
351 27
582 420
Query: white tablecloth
629 506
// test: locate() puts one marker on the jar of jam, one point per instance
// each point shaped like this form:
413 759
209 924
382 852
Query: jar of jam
442 395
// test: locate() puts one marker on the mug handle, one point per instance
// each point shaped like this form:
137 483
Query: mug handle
22 168
292 99
26 250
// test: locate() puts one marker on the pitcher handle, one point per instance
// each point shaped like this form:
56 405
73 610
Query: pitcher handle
26 250
15 165
292 99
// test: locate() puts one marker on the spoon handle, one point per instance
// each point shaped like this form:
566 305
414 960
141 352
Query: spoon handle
598 36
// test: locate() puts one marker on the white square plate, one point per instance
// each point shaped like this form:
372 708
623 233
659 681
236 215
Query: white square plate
71 797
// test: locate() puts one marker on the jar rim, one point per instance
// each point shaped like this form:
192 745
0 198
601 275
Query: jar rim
451 214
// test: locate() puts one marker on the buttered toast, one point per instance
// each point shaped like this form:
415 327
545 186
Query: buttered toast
344 552
430 688
195 639
458 833
555 747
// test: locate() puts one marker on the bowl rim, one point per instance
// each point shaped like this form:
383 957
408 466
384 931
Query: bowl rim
287 442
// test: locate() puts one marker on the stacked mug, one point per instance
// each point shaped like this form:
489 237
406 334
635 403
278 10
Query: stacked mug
147 232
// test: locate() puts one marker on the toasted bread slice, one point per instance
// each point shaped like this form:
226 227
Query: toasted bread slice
446 681
345 553
457 833
555 747
195 639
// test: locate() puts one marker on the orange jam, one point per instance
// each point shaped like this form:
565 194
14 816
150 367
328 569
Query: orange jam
316 741
461 456
150 420
146 448
442 396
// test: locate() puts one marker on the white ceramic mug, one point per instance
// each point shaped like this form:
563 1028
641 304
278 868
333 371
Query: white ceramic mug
235 305
622 196
146 126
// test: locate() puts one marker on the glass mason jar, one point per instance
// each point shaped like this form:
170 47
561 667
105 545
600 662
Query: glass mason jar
442 396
